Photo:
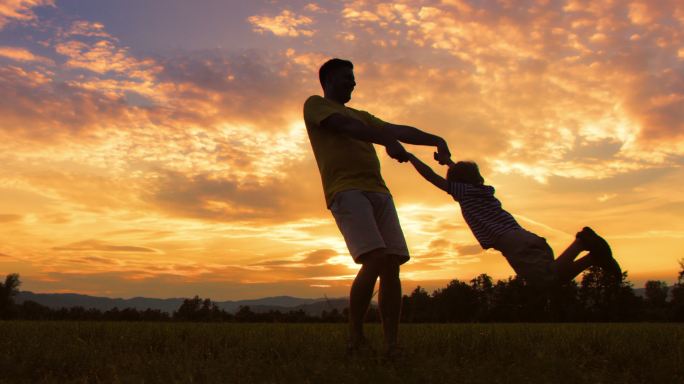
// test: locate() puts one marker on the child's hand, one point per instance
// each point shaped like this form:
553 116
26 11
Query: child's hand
396 151
443 158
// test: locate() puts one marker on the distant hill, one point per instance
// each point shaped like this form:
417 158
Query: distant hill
280 303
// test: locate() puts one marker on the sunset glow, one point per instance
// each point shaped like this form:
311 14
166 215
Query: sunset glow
157 148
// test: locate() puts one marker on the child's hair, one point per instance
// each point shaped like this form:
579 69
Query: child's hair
465 172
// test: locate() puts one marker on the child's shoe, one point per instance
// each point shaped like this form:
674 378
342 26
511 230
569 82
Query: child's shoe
600 251
593 242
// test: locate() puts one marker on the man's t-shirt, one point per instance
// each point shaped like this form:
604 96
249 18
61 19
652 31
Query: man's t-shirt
344 162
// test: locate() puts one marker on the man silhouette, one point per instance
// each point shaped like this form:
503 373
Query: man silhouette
342 140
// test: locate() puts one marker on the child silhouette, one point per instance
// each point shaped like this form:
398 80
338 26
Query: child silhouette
529 255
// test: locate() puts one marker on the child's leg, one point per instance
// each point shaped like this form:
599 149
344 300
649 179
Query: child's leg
565 265
567 272
567 268
600 252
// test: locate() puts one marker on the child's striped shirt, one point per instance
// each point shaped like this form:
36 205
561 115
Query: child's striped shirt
483 212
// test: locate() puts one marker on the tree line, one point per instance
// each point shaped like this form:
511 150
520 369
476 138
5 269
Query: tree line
595 298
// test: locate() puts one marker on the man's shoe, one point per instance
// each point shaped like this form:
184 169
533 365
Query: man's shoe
393 353
359 347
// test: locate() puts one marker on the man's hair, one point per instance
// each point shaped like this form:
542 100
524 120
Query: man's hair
465 172
331 66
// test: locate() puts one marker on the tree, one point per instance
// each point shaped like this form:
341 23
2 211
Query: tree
197 309
656 293
417 308
514 300
484 288
656 308
457 302
8 290
677 301
30 310
564 303
607 299
245 315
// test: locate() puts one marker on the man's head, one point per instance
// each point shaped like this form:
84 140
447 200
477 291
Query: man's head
337 79
464 172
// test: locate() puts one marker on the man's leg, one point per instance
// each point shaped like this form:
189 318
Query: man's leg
389 300
361 294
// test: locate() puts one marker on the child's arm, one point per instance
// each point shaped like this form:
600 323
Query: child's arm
428 173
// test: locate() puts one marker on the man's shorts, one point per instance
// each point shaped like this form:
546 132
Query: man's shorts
530 256
369 221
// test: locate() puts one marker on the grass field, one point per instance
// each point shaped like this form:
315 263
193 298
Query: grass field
35 352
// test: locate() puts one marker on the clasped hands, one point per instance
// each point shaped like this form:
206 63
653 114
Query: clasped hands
396 151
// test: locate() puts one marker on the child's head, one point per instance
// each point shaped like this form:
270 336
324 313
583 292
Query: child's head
464 172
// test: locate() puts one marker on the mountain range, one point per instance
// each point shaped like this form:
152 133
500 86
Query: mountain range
312 307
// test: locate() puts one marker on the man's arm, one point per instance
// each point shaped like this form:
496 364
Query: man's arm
428 173
360 131
411 135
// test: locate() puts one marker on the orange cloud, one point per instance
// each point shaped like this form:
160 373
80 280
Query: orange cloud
562 84
90 29
20 10
102 57
9 218
284 24
97 245
23 54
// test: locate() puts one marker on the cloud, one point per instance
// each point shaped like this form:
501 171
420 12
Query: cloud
10 218
89 29
36 107
92 262
308 259
286 23
237 195
207 89
539 74
249 87
313 7
214 198
102 57
97 245
468 250
126 284
20 10
23 54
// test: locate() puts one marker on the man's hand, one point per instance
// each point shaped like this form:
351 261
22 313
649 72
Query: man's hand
443 156
397 151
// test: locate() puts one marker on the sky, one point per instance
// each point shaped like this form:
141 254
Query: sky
157 148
